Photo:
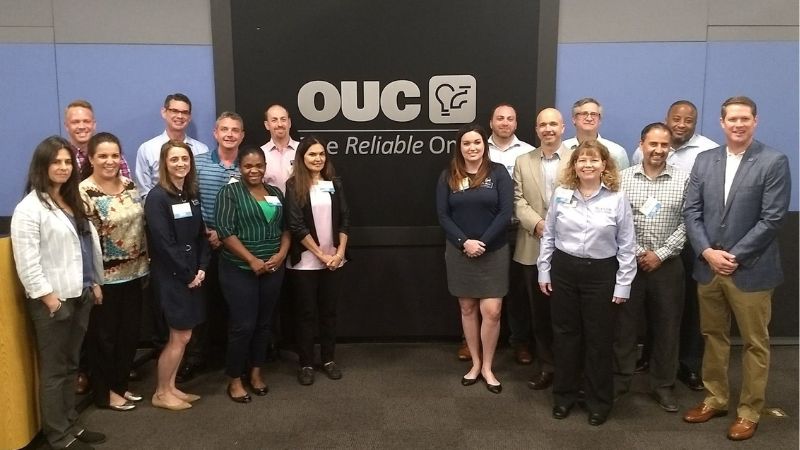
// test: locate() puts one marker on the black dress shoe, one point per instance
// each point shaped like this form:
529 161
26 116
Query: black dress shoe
305 376
185 373
541 381
469 381
332 371
561 412
691 379
241 399
91 437
133 375
596 419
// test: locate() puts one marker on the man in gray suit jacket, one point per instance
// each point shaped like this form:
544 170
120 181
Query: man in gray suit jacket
536 175
736 201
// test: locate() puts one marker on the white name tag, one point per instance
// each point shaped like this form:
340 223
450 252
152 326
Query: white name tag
181 210
273 200
325 186
563 195
651 207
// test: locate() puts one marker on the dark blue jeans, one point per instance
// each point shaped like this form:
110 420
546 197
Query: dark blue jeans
251 300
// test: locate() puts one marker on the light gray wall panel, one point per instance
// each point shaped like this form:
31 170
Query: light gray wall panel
632 21
26 35
753 33
132 22
749 12
26 13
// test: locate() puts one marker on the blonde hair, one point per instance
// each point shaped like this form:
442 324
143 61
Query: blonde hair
609 177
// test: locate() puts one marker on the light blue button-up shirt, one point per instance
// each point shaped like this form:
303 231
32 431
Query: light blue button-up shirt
598 227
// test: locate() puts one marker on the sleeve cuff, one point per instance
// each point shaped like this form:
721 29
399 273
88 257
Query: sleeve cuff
622 291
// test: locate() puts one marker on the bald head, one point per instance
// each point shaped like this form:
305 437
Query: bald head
550 127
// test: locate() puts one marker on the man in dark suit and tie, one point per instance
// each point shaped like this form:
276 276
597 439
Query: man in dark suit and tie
736 201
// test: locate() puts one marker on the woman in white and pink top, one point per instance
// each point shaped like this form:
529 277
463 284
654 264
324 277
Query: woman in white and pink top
318 221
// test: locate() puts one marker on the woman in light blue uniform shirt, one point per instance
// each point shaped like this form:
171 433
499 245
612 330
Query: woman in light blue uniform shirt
586 264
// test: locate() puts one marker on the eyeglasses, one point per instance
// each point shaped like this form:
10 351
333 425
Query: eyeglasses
179 112
587 115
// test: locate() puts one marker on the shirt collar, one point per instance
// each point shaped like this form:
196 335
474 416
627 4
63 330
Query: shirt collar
668 171
270 146
514 143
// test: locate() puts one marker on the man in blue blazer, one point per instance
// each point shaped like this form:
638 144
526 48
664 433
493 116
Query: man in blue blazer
736 201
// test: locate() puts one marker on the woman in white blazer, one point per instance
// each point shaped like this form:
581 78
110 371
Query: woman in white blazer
58 260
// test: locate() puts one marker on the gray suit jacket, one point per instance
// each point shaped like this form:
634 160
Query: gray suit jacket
747 226
529 203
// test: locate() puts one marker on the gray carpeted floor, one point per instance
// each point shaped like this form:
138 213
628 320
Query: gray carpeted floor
408 396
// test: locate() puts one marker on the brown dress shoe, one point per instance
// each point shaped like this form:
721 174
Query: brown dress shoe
522 354
463 352
81 384
702 413
742 429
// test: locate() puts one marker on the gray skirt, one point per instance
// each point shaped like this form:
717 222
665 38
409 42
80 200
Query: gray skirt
483 277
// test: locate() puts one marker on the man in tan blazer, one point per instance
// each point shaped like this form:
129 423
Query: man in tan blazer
536 176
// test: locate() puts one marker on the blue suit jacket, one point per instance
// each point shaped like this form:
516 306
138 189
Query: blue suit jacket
747 226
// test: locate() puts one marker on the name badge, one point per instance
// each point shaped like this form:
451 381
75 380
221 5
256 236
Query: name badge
650 208
273 200
181 210
325 186
487 183
563 195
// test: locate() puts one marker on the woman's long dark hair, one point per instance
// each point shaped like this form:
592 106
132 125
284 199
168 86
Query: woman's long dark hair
91 149
458 166
301 176
39 179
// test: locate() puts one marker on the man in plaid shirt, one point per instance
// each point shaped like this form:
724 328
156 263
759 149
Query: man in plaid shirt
656 192
80 126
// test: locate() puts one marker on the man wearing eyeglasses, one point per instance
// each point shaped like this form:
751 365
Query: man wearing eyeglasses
177 113
587 113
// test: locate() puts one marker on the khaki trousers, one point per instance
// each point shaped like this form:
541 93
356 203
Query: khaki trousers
752 311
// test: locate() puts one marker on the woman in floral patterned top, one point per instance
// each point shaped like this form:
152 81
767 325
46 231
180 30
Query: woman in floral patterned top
117 211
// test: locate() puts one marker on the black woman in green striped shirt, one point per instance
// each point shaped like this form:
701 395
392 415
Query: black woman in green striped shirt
252 227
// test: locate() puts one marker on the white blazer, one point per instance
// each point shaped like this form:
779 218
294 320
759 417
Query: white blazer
47 250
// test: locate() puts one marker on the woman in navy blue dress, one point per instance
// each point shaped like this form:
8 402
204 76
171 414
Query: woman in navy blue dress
179 255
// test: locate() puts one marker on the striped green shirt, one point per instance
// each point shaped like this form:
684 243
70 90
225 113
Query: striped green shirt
238 214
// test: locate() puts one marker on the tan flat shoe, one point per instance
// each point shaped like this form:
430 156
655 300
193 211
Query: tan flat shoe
159 403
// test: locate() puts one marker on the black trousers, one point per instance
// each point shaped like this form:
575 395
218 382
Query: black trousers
112 338
541 323
690 354
657 299
583 330
316 294
251 301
